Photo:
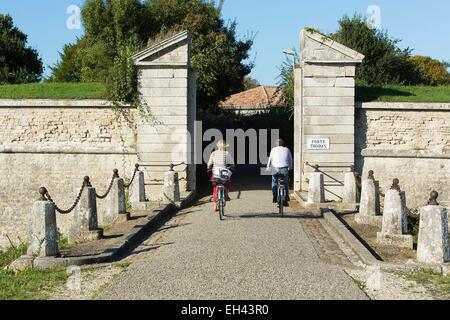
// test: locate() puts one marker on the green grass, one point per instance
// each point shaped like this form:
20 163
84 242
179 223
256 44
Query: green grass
393 93
437 283
29 284
51 90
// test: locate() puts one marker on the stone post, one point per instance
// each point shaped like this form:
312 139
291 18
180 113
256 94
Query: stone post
433 244
137 192
395 219
116 209
171 189
43 235
350 188
316 191
85 220
369 209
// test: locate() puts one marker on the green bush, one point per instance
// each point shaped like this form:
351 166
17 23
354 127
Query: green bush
429 71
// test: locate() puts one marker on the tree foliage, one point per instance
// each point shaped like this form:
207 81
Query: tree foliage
385 62
112 25
18 62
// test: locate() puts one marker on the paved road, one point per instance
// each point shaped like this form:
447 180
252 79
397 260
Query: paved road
252 255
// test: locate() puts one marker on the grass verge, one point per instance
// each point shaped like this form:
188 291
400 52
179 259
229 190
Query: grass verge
394 93
436 283
53 90
29 284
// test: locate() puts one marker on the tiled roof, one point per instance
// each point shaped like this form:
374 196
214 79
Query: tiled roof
257 98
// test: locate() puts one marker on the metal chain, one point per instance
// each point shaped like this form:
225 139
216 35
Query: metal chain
115 175
136 170
49 198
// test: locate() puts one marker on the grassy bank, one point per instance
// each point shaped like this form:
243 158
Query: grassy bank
30 284
403 93
50 90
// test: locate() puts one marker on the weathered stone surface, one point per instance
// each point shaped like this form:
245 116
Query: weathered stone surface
137 190
395 222
433 245
349 188
417 150
115 209
43 235
85 221
316 192
369 209
171 189
22 263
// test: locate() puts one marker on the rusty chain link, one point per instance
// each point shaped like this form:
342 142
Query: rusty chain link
136 170
114 176
46 195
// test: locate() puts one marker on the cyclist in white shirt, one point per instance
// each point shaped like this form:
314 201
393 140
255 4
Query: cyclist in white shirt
280 161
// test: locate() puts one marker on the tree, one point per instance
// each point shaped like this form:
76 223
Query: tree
286 78
250 83
430 71
110 25
18 62
385 62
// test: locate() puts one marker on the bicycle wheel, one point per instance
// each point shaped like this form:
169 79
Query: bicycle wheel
221 204
281 201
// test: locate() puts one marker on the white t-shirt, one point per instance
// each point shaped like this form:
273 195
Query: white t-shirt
280 157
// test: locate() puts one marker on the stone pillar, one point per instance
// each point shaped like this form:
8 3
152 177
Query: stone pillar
433 245
369 209
350 188
137 192
316 191
115 208
326 109
395 219
43 234
85 220
167 86
171 189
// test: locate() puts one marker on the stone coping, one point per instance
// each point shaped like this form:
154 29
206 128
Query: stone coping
64 149
420 154
58 103
115 252
403 106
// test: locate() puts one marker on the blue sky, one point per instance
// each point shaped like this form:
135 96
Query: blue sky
422 25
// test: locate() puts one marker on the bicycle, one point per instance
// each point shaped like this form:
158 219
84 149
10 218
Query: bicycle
220 179
281 193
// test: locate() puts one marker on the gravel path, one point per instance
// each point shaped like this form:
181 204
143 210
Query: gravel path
252 255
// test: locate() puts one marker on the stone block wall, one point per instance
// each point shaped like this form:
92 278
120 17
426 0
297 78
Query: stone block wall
408 141
324 109
167 84
55 143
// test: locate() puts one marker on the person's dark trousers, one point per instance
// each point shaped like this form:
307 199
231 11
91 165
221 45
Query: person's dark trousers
285 173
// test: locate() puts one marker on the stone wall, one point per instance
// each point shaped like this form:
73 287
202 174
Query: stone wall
408 141
55 143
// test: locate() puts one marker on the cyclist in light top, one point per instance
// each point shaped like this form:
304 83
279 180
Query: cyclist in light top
280 161
221 158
